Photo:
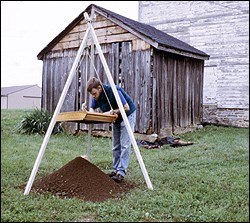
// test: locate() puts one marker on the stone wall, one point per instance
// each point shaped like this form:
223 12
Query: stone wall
220 29
227 117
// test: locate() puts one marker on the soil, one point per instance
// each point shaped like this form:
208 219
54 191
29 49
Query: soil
81 179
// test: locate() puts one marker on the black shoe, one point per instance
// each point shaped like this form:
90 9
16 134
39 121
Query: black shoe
111 174
118 178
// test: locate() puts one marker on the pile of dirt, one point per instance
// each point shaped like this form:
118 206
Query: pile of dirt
81 179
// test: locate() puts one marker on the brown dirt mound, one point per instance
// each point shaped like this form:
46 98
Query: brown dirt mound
81 179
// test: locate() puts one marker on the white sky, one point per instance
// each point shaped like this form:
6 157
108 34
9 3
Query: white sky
28 26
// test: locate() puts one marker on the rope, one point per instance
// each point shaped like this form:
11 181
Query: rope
77 69
84 104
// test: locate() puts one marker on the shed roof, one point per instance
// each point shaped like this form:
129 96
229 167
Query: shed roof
10 90
150 34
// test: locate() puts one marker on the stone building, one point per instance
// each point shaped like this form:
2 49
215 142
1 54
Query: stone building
221 29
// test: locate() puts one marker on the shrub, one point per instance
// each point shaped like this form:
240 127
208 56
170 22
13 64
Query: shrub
37 122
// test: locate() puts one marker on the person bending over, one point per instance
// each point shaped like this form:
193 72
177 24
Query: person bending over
104 99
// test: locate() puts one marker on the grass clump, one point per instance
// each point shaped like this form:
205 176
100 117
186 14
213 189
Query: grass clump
37 122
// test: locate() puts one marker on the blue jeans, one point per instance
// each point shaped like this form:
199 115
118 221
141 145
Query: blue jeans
121 144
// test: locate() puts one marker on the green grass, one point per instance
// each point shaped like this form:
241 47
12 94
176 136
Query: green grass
205 182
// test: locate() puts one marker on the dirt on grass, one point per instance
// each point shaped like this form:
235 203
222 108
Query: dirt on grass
81 179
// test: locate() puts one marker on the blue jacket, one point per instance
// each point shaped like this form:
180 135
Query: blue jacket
103 103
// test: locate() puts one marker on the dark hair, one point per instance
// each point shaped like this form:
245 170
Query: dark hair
93 83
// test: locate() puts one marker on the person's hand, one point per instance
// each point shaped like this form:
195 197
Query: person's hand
112 112
84 106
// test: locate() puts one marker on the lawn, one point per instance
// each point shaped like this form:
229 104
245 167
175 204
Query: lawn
204 182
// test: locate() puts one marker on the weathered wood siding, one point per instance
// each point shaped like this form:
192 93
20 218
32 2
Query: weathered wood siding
221 29
177 92
106 32
128 59
166 88
129 69
137 82
56 67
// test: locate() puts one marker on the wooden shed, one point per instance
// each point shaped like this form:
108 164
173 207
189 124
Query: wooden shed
163 75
